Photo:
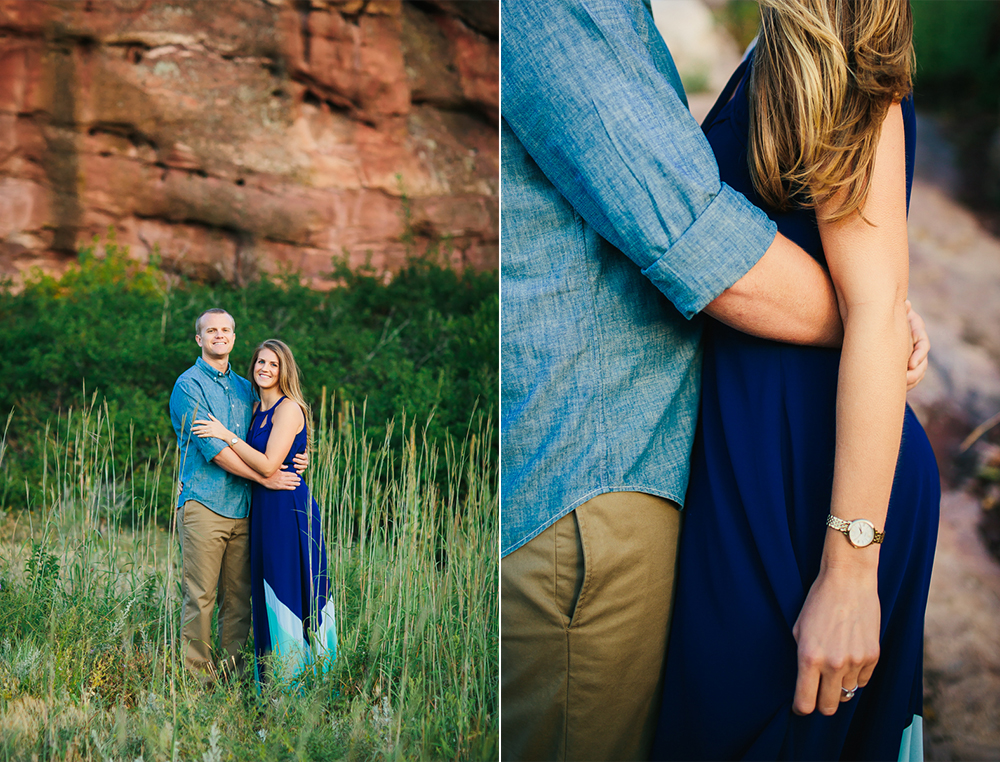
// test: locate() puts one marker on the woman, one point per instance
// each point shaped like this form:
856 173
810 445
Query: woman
290 586
804 564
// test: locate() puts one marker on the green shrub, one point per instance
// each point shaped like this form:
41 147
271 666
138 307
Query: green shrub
119 332
958 64
957 58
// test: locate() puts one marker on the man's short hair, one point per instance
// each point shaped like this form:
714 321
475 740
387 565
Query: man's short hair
212 311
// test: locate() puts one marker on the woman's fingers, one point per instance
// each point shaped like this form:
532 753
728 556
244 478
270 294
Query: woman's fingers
866 672
826 693
837 637
834 685
829 694
847 690
202 428
806 688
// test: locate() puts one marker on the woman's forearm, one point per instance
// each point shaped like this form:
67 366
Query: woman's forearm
231 462
837 630
278 444
256 459
871 398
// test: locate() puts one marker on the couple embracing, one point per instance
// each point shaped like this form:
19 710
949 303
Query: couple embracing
710 318
249 529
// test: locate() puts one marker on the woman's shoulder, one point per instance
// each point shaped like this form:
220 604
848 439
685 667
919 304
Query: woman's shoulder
289 410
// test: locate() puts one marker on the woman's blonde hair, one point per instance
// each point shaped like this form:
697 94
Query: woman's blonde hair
288 375
824 75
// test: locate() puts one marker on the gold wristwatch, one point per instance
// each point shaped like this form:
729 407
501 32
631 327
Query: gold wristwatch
860 533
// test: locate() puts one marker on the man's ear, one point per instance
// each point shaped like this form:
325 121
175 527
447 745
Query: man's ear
197 338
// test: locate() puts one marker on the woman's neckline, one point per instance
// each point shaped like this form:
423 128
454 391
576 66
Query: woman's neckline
273 405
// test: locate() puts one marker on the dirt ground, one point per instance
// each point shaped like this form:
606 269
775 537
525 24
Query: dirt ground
955 284
961 658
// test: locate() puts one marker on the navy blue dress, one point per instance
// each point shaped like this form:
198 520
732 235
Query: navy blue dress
293 618
753 533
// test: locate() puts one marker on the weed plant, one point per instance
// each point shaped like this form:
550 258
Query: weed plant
90 665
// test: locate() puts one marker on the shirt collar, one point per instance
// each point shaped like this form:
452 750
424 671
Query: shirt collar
209 370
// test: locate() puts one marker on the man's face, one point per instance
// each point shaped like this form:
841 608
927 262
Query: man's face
217 336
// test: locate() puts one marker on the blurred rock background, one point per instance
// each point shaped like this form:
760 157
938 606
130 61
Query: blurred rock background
239 137
955 284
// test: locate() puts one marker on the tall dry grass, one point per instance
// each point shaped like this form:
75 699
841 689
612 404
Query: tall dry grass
90 596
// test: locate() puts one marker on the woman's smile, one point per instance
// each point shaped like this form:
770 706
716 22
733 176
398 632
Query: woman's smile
266 369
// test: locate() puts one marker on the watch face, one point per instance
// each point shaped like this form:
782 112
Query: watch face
861 533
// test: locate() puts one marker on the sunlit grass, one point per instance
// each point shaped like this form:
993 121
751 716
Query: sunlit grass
90 598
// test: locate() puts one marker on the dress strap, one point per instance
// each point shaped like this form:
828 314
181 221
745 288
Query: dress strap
269 413
726 94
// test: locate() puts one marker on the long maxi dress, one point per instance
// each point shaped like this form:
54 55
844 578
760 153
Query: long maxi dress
293 617
754 529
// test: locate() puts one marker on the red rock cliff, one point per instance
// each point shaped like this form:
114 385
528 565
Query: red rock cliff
243 136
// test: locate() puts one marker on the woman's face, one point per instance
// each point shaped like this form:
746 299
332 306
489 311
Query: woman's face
265 370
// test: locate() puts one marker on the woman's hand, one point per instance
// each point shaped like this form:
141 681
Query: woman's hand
837 634
917 365
212 428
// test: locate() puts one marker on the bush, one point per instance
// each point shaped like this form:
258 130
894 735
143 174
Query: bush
958 63
111 329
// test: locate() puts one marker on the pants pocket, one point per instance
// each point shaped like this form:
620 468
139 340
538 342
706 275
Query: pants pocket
570 566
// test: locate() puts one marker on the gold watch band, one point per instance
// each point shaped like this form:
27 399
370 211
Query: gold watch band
843 525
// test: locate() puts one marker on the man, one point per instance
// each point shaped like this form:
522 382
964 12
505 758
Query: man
214 502
617 233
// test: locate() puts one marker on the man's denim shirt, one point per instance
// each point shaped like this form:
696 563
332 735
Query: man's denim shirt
200 390
616 232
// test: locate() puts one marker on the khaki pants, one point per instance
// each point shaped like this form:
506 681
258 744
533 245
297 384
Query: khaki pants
215 553
585 608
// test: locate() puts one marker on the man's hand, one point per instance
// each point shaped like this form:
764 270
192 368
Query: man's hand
301 462
837 634
917 366
281 479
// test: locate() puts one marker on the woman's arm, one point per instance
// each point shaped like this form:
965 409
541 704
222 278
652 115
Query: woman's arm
838 628
286 422
280 480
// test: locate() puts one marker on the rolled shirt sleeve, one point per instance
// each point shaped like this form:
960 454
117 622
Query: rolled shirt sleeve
602 115
188 404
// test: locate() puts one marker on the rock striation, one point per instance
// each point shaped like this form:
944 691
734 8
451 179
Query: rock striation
235 137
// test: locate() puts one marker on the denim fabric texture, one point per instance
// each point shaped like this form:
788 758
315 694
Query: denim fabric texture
200 390
616 232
